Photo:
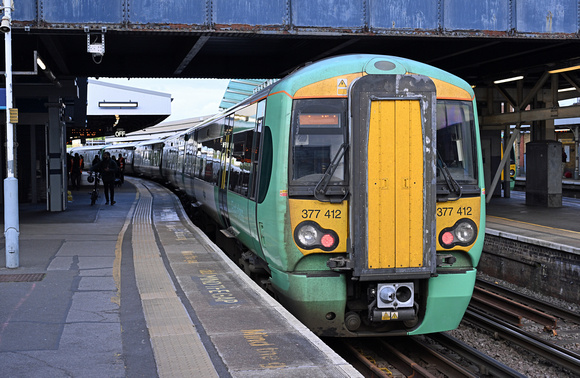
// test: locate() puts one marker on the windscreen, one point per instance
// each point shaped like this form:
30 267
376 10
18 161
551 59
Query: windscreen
318 134
456 147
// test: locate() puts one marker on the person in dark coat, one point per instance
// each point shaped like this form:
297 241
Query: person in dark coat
121 162
96 160
76 172
108 169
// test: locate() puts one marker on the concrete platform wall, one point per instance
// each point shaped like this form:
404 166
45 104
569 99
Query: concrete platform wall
551 272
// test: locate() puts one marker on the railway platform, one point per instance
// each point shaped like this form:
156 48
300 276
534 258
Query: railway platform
556 228
135 289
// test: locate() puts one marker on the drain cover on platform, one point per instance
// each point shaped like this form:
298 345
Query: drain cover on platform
32 277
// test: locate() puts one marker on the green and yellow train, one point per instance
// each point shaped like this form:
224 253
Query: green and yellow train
354 185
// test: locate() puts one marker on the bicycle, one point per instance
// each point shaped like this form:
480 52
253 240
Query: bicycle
95 192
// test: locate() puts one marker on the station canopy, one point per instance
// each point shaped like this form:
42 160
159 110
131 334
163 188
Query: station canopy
114 109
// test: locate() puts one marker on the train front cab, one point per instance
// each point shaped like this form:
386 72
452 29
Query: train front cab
408 218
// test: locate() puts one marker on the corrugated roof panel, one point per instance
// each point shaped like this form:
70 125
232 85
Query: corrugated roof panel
239 90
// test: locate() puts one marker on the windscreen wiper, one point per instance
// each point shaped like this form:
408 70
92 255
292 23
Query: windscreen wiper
449 180
322 185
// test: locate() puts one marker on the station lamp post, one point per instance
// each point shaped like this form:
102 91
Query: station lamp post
11 222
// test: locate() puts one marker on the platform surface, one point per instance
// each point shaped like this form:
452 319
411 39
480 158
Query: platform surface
557 228
135 289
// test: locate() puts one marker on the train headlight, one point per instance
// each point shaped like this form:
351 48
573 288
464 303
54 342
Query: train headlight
465 232
309 235
462 233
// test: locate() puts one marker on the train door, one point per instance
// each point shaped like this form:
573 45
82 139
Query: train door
222 176
259 161
393 201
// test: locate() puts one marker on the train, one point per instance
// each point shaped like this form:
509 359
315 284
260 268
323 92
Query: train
353 187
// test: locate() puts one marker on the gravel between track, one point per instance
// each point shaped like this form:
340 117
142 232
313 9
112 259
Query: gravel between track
567 336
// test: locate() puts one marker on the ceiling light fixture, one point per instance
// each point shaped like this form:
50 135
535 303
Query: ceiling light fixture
564 69
567 89
40 63
118 104
515 78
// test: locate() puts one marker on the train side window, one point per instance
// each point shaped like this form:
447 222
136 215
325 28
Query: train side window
212 157
241 162
266 160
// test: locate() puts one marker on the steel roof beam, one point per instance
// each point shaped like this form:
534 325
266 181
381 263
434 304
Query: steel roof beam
191 54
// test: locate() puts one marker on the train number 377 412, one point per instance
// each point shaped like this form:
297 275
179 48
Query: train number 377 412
449 211
315 214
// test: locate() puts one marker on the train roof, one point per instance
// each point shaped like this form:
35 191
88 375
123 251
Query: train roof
121 145
151 141
324 69
366 63
80 149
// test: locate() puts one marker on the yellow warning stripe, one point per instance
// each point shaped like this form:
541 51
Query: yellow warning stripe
509 222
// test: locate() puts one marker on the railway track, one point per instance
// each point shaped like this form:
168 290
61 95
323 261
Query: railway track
534 303
500 310
440 354
563 357
420 356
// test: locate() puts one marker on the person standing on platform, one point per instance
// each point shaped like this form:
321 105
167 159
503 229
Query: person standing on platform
108 169
96 160
76 172
121 161
69 160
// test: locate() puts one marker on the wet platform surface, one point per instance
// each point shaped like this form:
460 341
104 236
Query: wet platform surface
136 290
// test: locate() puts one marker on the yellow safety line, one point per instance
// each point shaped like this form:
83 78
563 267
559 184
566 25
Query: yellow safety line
533 224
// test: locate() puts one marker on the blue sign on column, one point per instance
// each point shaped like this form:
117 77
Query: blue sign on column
2 98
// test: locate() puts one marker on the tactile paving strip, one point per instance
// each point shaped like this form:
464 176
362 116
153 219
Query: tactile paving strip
177 347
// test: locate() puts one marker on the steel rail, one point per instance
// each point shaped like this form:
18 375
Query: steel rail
552 352
402 362
488 300
488 366
367 362
434 358
532 302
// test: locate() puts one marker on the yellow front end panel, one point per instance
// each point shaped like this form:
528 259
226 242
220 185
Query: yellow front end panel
395 185
448 213
330 216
